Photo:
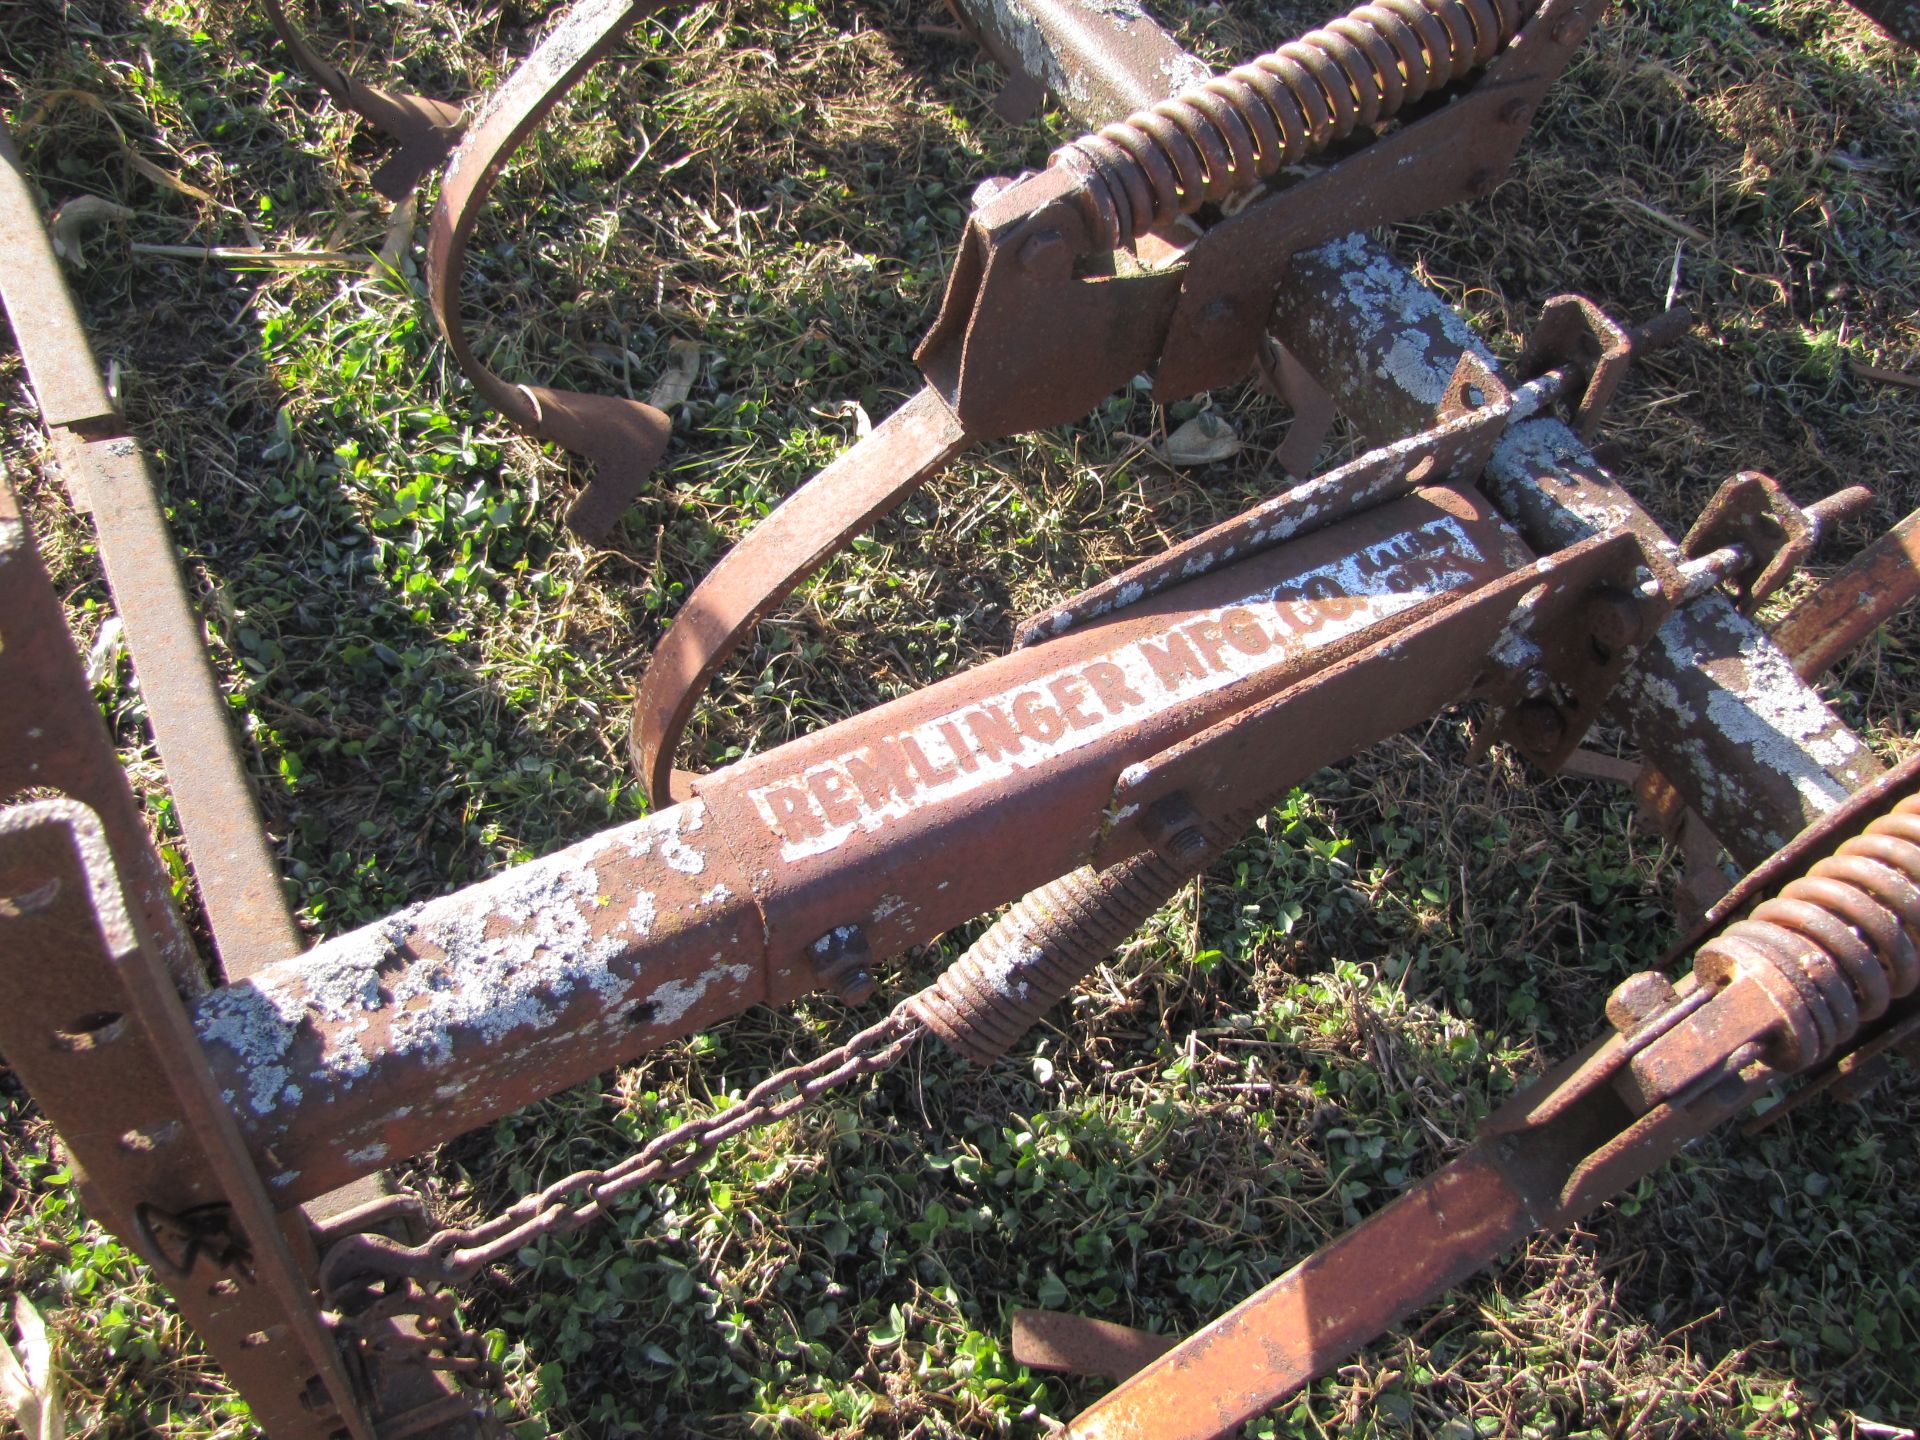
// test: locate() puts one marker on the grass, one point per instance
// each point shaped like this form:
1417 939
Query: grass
433 681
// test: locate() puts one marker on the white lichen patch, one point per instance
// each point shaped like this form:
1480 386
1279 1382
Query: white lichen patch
1757 705
672 1000
1546 450
1393 315
368 1154
1003 967
641 914
503 959
1780 718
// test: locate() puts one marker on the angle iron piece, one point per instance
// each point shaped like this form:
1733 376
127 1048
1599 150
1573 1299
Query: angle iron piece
1454 451
122 1078
1440 654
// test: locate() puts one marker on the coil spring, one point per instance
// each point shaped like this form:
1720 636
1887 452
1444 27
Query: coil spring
1846 936
1240 127
1044 945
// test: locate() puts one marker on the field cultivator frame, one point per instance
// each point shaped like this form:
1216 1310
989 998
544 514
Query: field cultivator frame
1204 229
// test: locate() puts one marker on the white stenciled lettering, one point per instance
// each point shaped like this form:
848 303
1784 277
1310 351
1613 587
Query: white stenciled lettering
986 740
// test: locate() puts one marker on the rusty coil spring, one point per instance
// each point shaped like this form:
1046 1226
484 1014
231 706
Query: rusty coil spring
1843 936
1049 940
1240 127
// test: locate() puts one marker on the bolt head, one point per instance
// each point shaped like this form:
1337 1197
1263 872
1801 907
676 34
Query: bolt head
1044 254
1538 725
1614 620
1639 999
857 988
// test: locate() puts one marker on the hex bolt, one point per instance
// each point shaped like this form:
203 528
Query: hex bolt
1174 827
990 187
1615 620
1044 253
840 959
1639 999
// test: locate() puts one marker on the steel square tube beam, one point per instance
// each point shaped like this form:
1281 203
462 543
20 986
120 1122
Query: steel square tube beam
904 821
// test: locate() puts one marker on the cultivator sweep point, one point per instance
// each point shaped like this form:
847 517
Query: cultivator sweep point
1201 231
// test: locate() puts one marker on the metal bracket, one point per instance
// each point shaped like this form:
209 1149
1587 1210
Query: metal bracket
1753 511
1418 666
1575 332
127 1087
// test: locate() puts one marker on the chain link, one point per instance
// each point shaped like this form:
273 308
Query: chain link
456 1254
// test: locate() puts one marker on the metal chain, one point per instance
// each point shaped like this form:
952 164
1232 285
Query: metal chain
456 1254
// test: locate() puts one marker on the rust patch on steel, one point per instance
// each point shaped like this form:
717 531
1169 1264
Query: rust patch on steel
623 438
425 129
906 450
1076 1345
1854 602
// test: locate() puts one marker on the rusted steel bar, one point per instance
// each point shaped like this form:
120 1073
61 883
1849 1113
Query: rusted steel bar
66 380
1713 703
1380 342
1102 59
383 1041
108 476
1075 1345
233 863
1770 995
806 530
55 738
1717 707
1854 601
122 1077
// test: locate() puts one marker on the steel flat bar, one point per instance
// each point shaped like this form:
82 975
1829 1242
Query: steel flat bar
56 738
107 474
1435 1235
66 380
806 530
233 863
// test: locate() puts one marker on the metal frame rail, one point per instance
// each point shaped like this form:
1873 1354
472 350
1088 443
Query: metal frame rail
1478 552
